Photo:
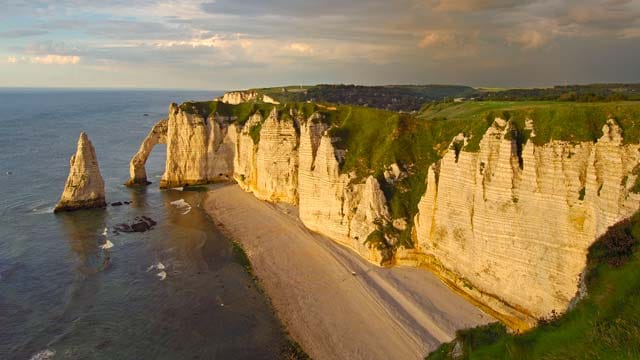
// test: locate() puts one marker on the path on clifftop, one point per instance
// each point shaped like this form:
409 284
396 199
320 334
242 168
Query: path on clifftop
400 313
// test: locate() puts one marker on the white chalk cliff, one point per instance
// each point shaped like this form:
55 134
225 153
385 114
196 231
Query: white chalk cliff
238 97
490 223
516 238
84 187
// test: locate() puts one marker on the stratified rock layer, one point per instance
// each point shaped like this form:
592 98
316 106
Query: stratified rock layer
516 237
508 228
84 188
197 149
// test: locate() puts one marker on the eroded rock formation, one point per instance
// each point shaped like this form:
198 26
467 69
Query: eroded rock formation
84 188
137 171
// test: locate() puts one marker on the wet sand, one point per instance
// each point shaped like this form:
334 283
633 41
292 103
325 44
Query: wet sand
378 313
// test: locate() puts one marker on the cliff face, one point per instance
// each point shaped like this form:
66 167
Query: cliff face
197 149
269 168
278 158
331 203
84 187
514 231
238 97
509 225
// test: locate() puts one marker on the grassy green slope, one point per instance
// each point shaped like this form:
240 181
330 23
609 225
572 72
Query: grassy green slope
603 325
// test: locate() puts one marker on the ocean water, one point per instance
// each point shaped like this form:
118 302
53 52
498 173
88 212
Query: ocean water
70 288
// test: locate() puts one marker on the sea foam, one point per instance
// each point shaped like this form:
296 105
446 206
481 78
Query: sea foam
44 355
107 245
182 205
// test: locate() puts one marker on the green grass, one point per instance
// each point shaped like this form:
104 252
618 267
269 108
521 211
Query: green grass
552 120
241 112
254 132
636 184
603 325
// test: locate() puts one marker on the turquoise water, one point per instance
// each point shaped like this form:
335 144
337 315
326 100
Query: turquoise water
63 294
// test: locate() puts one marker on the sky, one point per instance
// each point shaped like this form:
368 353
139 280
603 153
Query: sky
237 44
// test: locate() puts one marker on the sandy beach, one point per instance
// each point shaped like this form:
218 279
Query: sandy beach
335 304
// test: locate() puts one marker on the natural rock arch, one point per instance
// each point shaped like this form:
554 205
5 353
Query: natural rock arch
137 171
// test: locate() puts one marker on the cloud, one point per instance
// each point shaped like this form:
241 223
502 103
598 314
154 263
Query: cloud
438 39
49 59
215 41
21 33
56 59
529 39
442 45
475 5
301 48
306 9
600 15
630 33
358 40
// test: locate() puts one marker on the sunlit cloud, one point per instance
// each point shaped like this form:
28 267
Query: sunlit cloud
301 48
529 39
435 39
630 33
56 59
475 5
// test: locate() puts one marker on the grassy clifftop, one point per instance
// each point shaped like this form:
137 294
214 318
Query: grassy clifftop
603 325
552 120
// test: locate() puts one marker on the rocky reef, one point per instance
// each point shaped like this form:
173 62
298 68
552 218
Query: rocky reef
500 213
84 188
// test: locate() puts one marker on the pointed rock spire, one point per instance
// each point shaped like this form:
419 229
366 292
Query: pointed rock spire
84 188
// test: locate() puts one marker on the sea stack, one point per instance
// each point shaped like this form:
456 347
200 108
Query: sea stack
84 188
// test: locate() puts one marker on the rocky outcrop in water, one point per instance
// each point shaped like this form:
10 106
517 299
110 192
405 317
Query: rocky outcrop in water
140 224
84 188
157 135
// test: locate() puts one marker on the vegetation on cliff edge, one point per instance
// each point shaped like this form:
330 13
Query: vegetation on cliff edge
605 324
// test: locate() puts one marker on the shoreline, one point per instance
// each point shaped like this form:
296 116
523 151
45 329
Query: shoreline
332 302
291 350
